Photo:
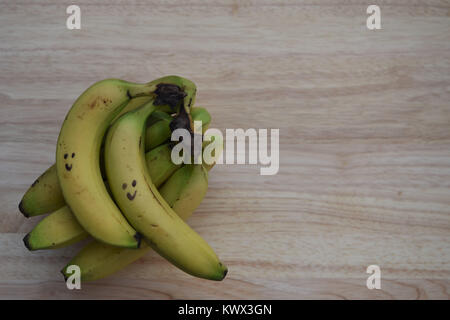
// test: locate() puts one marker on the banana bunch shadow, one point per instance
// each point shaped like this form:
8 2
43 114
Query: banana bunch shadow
114 181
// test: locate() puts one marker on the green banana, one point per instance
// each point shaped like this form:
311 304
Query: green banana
45 194
132 105
216 143
79 144
159 164
143 205
159 132
60 228
201 114
57 230
98 260
186 190
158 115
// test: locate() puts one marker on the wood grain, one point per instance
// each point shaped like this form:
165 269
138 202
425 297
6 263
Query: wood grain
364 119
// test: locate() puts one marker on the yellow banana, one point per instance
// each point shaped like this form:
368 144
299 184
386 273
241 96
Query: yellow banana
78 151
98 260
45 194
61 228
143 205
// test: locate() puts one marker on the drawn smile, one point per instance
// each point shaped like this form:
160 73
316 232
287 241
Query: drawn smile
68 166
129 195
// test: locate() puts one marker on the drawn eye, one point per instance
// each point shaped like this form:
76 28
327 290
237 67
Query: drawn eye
133 183
73 155
65 156
124 186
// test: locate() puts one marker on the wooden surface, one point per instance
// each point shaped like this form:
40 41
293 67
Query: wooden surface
364 119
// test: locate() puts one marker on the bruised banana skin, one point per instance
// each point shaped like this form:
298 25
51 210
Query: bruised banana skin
78 153
45 194
143 205
60 228
98 260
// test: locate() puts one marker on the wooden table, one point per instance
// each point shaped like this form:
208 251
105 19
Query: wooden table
364 119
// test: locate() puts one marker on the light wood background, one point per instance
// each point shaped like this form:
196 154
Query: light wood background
364 119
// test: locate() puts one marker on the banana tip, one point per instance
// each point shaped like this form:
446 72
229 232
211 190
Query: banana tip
26 242
64 274
224 272
22 210
138 238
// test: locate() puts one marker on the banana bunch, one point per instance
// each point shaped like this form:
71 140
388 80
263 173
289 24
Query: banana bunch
114 181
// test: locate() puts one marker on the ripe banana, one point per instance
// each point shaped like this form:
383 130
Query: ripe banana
78 151
60 228
98 260
45 194
144 206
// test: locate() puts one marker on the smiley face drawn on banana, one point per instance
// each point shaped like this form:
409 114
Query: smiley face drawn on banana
129 195
68 166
